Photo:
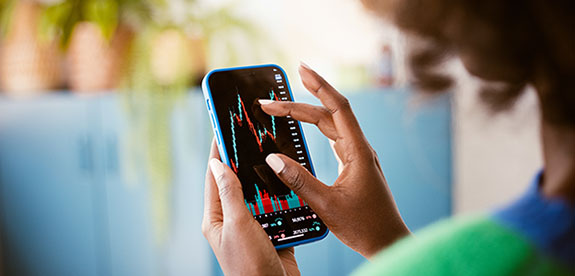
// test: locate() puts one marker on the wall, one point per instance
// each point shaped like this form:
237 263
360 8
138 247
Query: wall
495 155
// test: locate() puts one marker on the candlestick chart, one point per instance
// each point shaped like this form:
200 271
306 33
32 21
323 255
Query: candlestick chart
239 118
264 203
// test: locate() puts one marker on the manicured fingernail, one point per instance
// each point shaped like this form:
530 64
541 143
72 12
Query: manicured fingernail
304 65
276 163
265 101
217 168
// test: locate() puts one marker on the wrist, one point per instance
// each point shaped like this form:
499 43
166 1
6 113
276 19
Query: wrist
387 239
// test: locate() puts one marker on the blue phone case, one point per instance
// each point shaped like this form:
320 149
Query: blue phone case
220 141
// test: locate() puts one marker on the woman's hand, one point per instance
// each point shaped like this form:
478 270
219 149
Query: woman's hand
358 208
239 242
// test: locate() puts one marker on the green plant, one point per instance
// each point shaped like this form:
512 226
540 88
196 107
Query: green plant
6 7
59 19
219 27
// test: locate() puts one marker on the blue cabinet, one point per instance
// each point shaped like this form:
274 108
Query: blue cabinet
49 200
130 248
71 203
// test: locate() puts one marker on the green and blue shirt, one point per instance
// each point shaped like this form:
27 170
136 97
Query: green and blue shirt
532 236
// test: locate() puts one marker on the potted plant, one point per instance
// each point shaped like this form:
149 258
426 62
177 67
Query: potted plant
164 63
97 35
28 64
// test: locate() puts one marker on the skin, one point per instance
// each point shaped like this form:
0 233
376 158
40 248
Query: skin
368 200
559 159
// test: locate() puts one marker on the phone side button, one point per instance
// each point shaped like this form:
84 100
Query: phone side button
208 104
217 137
213 120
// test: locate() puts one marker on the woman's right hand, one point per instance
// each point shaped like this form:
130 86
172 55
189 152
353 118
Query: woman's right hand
359 207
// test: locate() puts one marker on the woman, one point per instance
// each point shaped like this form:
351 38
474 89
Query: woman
506 43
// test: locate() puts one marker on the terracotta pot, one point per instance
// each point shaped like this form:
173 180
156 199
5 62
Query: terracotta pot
176 56
28 66
94 62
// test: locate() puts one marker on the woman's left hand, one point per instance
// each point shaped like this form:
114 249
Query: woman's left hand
240 244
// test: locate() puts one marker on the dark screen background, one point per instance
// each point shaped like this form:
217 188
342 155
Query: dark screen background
251 85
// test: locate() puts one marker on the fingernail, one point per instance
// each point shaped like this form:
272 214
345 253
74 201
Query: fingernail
216 168
265 101
276 163
304 65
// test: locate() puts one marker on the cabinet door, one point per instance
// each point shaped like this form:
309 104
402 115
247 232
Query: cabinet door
189 252
127 195
47 201
135 247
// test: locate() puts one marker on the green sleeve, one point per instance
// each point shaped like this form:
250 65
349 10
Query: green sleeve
462 246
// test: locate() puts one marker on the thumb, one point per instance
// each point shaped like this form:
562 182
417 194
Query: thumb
230 191
300 180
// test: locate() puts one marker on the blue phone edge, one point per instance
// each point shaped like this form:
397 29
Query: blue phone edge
220 140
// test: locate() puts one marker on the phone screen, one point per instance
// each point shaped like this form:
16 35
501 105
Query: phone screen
249 135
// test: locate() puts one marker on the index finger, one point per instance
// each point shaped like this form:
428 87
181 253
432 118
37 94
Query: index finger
347 126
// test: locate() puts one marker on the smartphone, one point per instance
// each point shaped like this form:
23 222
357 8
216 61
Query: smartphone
246 135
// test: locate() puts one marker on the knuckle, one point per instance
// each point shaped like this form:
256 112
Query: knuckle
362 149
286 108
340 103
369 153
206 229
375 157
220 179
320 86
343 103
283 107
375 160
324 114
369 156
225 189
321 115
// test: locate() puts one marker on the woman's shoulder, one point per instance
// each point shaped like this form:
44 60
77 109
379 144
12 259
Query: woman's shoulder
470 245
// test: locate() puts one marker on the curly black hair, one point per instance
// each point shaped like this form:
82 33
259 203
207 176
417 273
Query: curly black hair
509 44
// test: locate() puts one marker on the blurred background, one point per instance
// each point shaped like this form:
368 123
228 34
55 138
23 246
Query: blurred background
104 135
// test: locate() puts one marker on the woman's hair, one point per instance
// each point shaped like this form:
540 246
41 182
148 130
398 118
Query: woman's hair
509 44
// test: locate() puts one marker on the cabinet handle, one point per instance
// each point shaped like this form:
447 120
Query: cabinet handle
86 155
112 155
